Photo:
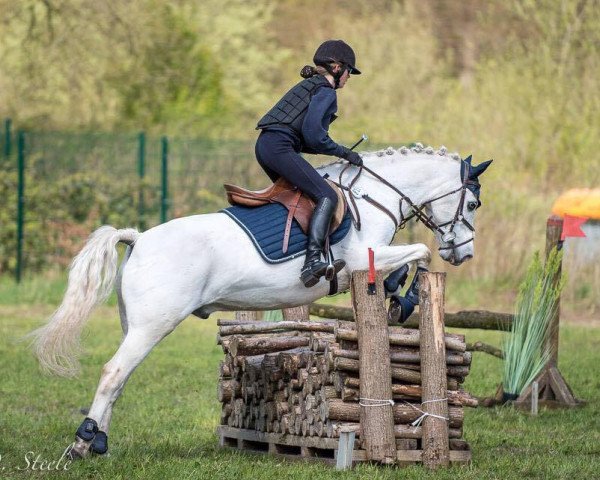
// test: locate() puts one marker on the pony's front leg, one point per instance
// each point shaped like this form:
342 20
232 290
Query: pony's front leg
401 307
390 257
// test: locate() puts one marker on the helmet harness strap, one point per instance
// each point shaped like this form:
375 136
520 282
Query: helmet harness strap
337 76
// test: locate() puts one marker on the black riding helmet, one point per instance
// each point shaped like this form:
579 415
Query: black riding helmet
336 51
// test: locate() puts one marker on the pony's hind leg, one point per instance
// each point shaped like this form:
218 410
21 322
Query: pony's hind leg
135 347
100 442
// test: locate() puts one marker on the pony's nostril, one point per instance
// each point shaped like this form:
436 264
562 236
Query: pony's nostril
467 257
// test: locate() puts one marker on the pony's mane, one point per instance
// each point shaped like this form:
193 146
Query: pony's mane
442 151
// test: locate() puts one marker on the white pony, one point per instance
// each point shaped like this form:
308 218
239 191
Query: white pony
204 263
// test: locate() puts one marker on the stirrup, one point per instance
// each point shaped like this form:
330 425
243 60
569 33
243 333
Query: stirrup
329 272
310 277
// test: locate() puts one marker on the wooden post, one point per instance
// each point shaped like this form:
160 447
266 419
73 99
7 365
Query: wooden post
534 397
553 231
376 414
246 315
296 313
433 370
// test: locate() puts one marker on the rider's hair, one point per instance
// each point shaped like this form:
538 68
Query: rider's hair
310 71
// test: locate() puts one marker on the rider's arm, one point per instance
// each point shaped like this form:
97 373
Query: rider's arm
321 109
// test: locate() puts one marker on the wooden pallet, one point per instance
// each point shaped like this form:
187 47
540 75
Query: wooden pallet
295 447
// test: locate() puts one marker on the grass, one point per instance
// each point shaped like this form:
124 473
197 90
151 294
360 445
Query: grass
164 424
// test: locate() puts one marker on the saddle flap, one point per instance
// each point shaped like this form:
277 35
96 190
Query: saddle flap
285 193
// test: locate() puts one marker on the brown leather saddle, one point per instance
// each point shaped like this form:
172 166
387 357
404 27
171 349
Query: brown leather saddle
299 205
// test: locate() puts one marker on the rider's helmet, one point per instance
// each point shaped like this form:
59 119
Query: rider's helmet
336 51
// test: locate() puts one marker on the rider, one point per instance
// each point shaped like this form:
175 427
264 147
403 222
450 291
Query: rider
299 123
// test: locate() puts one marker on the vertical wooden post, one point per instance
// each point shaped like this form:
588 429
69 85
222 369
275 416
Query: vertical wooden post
300 313
433 370
554 227
535 393
376 414
246 315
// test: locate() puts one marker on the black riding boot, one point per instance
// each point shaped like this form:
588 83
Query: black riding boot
314 268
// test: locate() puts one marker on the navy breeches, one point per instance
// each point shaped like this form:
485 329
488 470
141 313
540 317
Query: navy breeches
278 155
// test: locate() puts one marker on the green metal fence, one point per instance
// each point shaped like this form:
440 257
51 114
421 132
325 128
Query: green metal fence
57 187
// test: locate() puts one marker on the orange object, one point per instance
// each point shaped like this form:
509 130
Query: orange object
578 202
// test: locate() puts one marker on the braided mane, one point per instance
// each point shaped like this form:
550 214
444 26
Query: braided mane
416 148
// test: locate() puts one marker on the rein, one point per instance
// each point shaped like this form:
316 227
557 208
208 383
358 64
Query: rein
417 210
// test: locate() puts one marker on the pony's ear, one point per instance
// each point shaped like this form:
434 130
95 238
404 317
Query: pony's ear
477 170
465 168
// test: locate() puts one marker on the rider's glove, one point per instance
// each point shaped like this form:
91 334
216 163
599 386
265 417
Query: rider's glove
353 157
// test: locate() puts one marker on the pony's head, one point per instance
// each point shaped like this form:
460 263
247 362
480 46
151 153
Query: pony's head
453 214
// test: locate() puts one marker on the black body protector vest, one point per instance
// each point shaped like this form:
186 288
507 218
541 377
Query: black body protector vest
292 107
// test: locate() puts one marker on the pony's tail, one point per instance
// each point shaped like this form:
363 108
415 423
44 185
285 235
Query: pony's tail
91 279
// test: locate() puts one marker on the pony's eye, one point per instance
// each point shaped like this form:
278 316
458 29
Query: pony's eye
472 206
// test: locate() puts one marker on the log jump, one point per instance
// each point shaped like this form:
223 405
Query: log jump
345 392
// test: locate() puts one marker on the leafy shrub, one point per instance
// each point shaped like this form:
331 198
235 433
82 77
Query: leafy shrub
60 215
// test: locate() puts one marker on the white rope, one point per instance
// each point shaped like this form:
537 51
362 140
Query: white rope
419 420
375 402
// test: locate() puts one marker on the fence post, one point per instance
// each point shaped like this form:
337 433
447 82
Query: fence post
376 414
164 207
20 203
141 173
300 313
433 370
554 226
8 137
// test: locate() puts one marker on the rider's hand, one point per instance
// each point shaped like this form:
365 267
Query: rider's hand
354 158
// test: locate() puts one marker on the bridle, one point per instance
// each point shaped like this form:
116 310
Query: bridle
417 211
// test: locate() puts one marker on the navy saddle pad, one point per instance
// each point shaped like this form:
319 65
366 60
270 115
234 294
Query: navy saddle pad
266 226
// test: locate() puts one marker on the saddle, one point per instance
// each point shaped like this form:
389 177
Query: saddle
299 205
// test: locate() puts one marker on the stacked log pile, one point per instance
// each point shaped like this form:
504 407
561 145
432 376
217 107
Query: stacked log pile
302 378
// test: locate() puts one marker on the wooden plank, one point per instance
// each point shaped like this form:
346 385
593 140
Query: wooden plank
376 415
433 369
229 435
278 438
344 451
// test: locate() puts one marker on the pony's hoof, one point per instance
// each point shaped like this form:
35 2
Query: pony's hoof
80 449
100 443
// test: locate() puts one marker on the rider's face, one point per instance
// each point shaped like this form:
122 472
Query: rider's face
344 78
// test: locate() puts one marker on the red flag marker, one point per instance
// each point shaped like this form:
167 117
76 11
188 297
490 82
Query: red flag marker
371 290
572 227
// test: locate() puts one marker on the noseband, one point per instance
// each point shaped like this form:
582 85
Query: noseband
447 236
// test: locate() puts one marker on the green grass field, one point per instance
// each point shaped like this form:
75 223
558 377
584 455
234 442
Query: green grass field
164 424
